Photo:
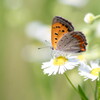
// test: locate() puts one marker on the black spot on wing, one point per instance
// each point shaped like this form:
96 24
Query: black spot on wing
55 38
56 33
63 31
57 26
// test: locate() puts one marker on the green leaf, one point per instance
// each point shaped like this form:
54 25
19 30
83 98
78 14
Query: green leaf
82 94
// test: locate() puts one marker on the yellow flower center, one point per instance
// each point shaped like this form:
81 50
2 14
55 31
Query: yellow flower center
81 57
95 71
59 61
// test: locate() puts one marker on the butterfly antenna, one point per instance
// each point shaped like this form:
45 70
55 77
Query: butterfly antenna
44 47
47 42
48 45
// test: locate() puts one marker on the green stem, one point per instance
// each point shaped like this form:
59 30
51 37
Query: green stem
71 83
96 91
97 17
80 92
99 92
91 86
98 86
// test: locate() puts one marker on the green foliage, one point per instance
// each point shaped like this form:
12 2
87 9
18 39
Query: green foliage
82 94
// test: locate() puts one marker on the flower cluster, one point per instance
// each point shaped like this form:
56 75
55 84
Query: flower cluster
61 63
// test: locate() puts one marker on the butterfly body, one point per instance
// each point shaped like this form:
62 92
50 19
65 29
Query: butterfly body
64 38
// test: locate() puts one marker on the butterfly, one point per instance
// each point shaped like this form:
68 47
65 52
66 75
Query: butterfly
64 38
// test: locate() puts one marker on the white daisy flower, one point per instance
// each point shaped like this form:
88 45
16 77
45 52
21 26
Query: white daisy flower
90 72
89 18
59 65
76 3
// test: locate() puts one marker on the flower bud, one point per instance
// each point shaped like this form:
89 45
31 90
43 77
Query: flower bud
89 18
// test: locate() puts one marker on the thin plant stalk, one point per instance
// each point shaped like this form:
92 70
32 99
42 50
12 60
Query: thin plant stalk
98 87
81 93
71 83
97 17
95 94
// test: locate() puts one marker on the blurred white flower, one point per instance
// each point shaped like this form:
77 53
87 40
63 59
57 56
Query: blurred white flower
59 65
98 30
39 31
30 53
89 18
13 4
90 72
81 58
76 3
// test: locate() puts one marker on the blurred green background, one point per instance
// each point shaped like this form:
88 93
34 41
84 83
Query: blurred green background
24 26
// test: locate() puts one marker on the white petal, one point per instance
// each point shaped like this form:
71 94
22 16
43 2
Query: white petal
48 70
94 64
71 65
56 70
84 67
61 70
87 75
45 65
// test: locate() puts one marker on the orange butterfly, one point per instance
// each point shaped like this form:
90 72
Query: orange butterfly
64 38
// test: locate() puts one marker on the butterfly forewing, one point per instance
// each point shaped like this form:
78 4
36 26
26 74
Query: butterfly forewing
60 26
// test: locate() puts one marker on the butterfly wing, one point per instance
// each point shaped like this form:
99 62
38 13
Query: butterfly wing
60 26
73 42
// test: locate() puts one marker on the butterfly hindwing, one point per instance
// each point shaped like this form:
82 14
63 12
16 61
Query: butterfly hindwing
72 42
